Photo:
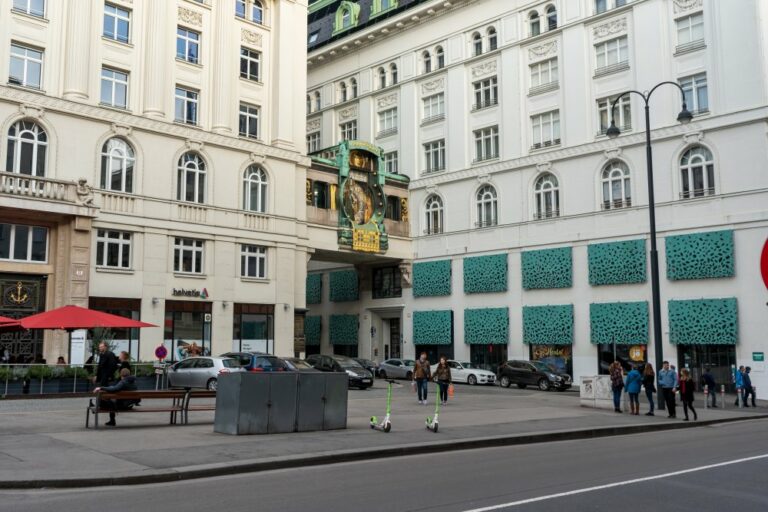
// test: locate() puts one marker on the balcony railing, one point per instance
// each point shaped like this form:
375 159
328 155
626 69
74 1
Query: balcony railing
485 104
546 144
431 170
432 119
397 227
697 192
485 223
541 89
617 203
483 158
37 187
433 231
613 68
690 47
386 133
624 128
547 214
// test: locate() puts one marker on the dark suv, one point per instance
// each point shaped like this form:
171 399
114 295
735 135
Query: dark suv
532 373
359 377
258 362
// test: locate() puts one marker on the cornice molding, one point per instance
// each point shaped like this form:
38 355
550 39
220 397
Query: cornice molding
542 51
387 101
190 17
609 28
484 69
687 5
250 37
433 86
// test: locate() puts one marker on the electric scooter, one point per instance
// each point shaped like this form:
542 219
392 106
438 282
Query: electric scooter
432 422
385 425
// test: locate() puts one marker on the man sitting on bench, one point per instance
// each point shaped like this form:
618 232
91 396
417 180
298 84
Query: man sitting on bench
127 383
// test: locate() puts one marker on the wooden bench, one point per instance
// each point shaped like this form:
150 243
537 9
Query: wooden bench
178 400
203 407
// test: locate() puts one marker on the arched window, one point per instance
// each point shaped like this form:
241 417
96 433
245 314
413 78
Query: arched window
427 58
493 42
434 215
309 104
382 78
697 173
534 23
255 189
616 189
551 17
342 92
353 86
547 197
440 54
393 73
27 146
346 18
486 206
257 12
317 100
117 162
477 44
191 178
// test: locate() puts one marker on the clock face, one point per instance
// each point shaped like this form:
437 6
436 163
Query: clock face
358 202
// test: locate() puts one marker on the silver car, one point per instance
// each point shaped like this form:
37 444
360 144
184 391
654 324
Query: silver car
201 372
396 369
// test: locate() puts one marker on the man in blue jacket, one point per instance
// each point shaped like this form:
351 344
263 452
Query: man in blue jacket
709 381
127 383
668 383
738 380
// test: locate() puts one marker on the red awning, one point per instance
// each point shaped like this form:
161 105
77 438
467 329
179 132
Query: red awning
70 318
6 320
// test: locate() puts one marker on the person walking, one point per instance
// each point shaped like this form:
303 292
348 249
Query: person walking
738 380
748 389
127 382
709 381
668 383
421 376
617 384
632 383
443 379
687 387
649 383
105 371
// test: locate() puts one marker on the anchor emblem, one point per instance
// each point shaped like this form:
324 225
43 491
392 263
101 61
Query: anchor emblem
21 296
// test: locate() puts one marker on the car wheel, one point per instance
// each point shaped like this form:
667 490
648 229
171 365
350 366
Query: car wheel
382 374
505 382
211 385
471 380
408 376
522 386
544 384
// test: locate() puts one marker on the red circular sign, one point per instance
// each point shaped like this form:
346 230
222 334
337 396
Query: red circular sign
161 352
764 264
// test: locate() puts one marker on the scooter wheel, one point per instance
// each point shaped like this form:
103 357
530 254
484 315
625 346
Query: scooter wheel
434 428
373 427
387 427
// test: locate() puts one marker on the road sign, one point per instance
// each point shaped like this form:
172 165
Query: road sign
161 352
758 356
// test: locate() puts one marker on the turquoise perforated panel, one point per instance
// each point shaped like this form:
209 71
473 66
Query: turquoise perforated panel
312 325
704 321
547 268
342 329
623 323
700 255
548 325
617 262
433 327
485 274
432 278
344 286
314 288
486 326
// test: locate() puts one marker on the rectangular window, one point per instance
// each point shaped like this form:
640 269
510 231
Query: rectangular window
188 255
348 130
186 106
486 93
433 108
486 143
187 45
31 7
622 114
546 129
113 249
23 243
696 96
313 142
114 88
434 156
390 162
240 8
321 195
249 121
253 261
387 122
117 23
611 53
393 210
250 61
386 283
26 66
544 74
690 29
601 6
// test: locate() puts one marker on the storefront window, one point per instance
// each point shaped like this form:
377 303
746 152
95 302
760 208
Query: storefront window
253 328
627 355
386 283
122 339
559 357
187 329
718 358
487 357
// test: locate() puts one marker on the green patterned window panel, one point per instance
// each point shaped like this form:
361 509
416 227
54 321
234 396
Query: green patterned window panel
485 274
486 326
342 329
344 286
312 330
624 323
704 322
314 288
617 262
433 327
432 278
548 325
547 268
700 255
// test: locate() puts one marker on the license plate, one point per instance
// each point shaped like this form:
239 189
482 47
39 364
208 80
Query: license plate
366 381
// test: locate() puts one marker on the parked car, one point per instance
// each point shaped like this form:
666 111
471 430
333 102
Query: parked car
469 373
201 372
259 362
299 365
369 365
396 369
359 377
532 373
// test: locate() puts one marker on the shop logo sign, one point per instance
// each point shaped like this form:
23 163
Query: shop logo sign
184 292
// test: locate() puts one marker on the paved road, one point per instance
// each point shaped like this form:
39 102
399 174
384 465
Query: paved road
710 469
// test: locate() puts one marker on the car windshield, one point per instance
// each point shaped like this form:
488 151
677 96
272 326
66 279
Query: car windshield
230 363
542 366
298 363
469 365
346 362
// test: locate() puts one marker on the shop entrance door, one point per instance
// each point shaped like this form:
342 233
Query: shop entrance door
187 329
22 295
718 357
395 342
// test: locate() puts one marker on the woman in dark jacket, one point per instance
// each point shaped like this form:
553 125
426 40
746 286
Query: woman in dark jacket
443 378
687 386
649 383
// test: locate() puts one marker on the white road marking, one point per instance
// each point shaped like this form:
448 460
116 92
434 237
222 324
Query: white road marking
615 484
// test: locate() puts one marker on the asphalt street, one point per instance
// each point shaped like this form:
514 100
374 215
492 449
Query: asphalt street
705 469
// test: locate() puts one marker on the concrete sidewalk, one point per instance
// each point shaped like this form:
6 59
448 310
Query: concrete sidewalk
44 443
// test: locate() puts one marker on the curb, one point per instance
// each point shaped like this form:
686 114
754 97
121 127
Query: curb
227 469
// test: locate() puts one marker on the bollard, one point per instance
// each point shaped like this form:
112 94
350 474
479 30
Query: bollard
722 396
739 398
706 396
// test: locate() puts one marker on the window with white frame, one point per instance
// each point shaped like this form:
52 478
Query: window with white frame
382 78
547 197
486 143
255 189
191 178
253 261
690 29
434 215
696 94
487 210
390 162
610 54
427 61
546 129
534 23
257 12
186 106
250 64
117 23
26 66
113 249
601 6
20 242
114 88
486 93
622 114
697 173
440 56
187 45
353 87
27 149
551 17
477 44
493 41
117 163
31 7
434 156
248 125
188 255
348 130
318 104
387 122
393 74
544 74
433 107
342 92
309 104
617 192
313 142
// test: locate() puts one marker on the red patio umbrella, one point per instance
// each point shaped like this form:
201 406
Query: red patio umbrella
6 320
70 318
9 325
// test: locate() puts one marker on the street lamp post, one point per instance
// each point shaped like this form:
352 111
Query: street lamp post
613 131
